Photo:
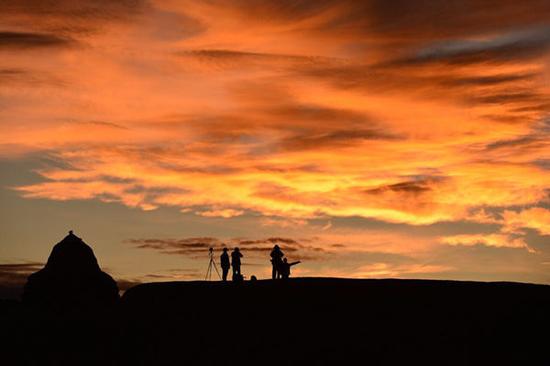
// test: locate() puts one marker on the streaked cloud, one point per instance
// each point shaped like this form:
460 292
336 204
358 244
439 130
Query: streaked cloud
536 218
18 272
19 40
226 213
198 248
492 240
507 47
13 277
283 119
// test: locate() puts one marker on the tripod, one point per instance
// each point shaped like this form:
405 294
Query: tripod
211 264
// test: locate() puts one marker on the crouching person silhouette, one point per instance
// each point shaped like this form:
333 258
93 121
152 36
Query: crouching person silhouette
224 262
285 268
236 264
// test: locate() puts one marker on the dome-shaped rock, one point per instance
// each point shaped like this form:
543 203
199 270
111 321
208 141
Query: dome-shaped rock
71 278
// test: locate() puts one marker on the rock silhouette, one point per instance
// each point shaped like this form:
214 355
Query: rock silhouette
71 278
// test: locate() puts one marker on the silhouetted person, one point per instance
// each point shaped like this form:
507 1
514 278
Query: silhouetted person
236 262
224 262
276 262
285 268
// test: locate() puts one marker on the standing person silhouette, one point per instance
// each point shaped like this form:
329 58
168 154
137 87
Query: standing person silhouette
276 261
236 262
224 262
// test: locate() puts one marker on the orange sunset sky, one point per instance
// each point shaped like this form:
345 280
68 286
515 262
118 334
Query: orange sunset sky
368 138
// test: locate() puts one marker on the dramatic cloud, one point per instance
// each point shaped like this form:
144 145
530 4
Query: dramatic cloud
285 119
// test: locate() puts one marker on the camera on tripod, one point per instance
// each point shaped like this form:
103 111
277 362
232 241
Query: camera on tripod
211 264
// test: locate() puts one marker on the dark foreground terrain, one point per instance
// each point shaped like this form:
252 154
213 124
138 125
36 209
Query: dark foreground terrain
299 322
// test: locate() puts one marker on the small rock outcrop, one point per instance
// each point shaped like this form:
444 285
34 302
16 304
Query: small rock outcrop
71 278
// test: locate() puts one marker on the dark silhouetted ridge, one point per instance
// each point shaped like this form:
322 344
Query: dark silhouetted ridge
299 321
328 321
